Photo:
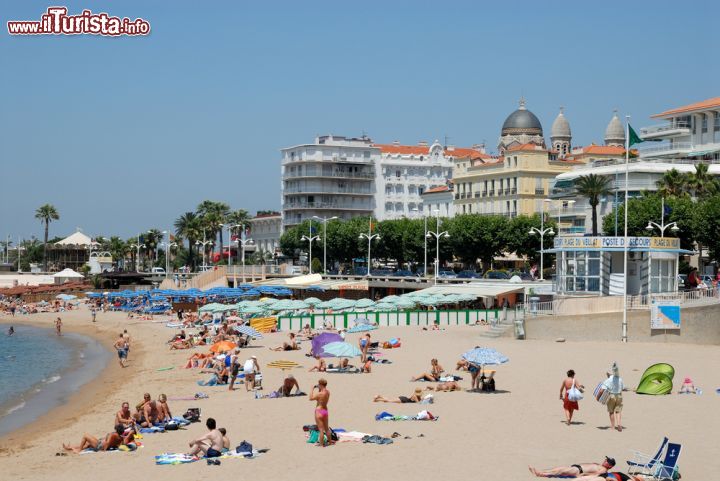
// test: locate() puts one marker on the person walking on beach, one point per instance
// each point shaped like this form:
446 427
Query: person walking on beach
251 368
126 336
120 346
58 326
569 405
321 396
614 385
364 343
93 312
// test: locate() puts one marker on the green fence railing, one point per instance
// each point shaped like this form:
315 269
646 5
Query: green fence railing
389 318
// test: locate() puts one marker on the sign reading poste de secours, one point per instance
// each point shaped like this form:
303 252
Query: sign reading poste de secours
56 21
616 242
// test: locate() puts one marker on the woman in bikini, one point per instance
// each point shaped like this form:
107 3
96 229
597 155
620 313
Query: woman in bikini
111 441
436 371
321 396
416 397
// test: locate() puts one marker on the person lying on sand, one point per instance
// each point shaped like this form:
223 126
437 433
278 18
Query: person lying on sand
446 386
111 441
436 371
576 470
615 476
288 346
320 367
416 397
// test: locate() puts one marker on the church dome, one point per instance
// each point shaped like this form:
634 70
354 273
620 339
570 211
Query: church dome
522 121
560 127
615 132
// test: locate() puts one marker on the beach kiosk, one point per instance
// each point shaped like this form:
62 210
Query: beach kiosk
594 265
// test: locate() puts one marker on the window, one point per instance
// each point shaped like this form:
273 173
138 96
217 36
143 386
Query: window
580 271
366 154
662 275
397 174
717 122
704 124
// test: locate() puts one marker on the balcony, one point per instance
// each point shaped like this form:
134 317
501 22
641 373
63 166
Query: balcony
457 196
334 175
477 195
491 193
326 205
670 148
670 129
338 191
539 191
513 191
483 193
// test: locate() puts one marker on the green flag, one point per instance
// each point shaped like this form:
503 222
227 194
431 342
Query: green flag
634 137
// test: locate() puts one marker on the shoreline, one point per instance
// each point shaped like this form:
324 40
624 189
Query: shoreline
88 358
81 401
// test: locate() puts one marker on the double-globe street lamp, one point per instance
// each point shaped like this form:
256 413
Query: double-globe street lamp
370 237
437 234
324 220
310 239
542 231
662 226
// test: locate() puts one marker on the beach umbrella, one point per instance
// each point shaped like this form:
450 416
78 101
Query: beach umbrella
234 319
248 331
341 349
223 346
361 328
405 303
364 303
321 340
390 299
65 297
252 310
313 301
383 306
484 356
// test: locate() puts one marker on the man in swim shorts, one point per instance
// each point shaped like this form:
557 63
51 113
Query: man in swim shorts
211 445
577 470
321 396
288 384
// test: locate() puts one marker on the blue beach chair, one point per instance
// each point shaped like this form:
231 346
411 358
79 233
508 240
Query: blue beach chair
667 470
644 463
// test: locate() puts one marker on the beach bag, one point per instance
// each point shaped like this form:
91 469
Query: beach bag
574 394
244 447
192 415
172 426
601 394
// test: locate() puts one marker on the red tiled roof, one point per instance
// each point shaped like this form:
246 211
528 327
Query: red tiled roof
456 152
601 150
705 104
440 188
271 214
533 147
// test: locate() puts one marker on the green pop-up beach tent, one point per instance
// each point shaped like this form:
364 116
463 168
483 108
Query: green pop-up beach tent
657 380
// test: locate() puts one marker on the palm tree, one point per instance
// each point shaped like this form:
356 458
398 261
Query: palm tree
151 240
673 184
46 214
701 182
593 187
118 249
214 214
188 227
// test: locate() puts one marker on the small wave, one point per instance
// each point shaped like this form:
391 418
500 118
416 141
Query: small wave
15 408
52 379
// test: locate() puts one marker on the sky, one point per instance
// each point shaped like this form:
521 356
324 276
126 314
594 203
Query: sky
125 134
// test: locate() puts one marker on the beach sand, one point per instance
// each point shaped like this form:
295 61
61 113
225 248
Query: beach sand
480 436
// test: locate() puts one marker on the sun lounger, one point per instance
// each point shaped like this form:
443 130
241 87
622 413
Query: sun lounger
644 463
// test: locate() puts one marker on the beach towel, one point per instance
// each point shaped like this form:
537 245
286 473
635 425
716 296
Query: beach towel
421 416
151 430
182 458
343 371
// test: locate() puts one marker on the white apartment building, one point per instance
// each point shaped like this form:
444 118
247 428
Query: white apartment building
265 231
405 172
439 200
332 177
690 135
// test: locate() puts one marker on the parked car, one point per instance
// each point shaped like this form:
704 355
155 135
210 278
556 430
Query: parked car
447 274
403 273
496 275
525 276
381 272
469 274
158 271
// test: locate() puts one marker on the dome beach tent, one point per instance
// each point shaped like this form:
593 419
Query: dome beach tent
656 380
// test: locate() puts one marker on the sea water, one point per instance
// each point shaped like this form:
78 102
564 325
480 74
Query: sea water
39 370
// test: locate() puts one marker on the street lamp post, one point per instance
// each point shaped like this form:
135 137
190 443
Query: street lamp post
243 242
369 236
662 226
204 243
324 220
311 238
137 246
230 227
542 231
437 234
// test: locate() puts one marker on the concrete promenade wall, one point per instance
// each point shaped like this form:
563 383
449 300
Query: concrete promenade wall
699 325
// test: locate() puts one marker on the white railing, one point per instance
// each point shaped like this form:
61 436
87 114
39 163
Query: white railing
663 148
656 129
685 298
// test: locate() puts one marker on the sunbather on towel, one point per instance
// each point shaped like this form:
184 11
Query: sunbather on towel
615 476
320 367
288 346
436 371
211 444
288 384
577 470
415 398
111 441
446 386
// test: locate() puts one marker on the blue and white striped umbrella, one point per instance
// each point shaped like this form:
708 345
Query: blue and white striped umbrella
248 331
484 356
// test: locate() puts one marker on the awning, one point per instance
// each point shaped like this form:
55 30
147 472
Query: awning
703 152
615 249
475 289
